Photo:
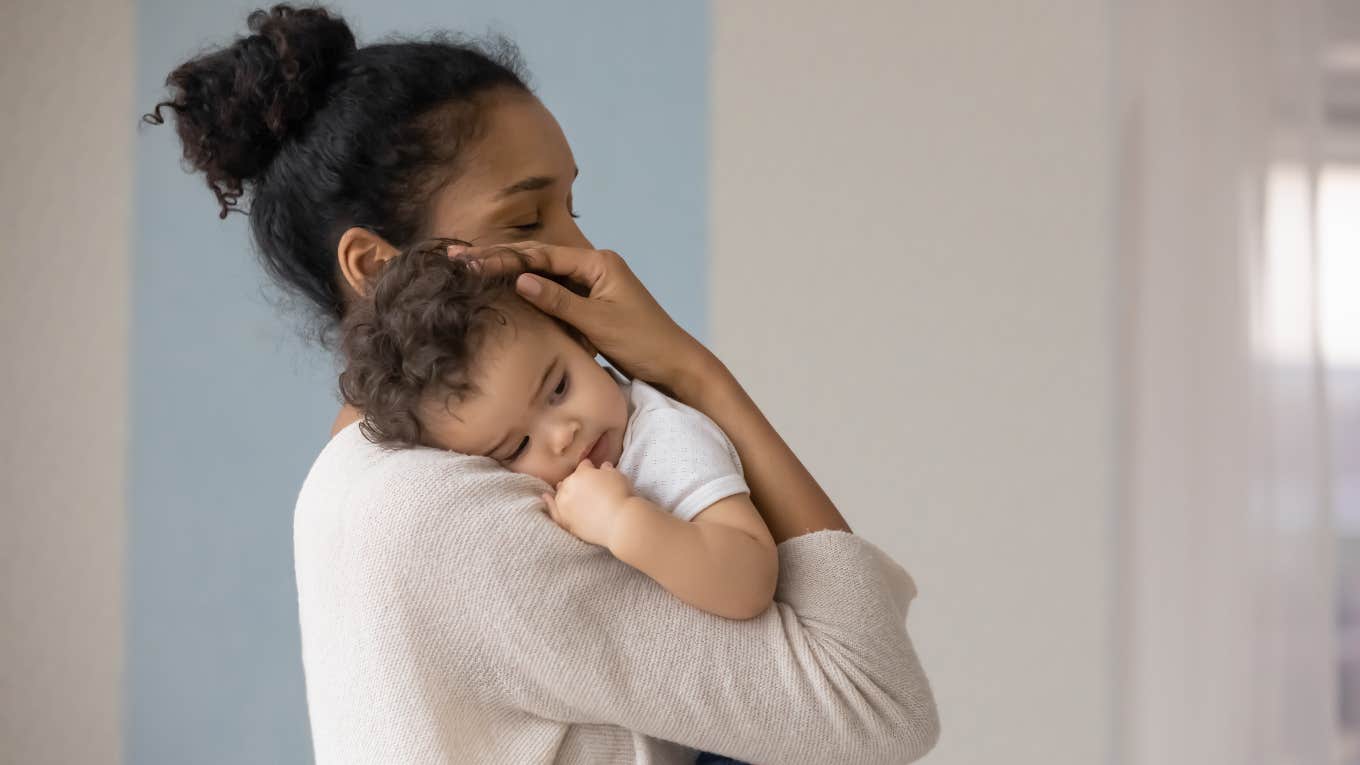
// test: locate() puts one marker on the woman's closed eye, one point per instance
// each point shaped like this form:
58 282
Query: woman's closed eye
530 227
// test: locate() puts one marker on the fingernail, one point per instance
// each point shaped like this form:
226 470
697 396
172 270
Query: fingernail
528 285
607 465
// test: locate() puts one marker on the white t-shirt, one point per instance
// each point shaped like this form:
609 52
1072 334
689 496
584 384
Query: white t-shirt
674 455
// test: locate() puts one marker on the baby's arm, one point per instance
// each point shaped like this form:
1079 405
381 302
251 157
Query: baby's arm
723 561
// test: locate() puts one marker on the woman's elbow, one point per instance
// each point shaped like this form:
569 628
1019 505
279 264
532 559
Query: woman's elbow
921 734
899 720
916 730
906 742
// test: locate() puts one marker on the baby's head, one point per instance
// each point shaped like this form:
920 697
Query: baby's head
438 354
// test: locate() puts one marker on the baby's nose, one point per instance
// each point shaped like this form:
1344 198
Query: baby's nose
566 436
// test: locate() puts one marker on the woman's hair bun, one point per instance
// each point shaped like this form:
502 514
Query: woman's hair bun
234 107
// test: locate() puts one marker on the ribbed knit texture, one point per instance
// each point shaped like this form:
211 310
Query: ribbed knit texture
445 618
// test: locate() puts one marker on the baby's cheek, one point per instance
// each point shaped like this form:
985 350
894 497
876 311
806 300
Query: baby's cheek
538 472
562 478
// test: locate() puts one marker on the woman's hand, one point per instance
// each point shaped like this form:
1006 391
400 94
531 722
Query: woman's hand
619 315
628 327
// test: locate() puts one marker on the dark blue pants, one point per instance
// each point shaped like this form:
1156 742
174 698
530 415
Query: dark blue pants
708 758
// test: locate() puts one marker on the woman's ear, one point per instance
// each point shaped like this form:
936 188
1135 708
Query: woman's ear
361 254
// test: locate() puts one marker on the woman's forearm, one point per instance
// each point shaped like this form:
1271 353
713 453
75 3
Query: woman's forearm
785 493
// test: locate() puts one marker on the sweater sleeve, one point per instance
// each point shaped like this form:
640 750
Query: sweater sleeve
828 674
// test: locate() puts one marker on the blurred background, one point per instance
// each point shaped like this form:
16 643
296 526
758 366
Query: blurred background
1060 301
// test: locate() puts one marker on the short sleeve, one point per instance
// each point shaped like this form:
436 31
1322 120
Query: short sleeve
679 459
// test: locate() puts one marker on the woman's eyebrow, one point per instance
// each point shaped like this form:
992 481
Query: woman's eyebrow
532 183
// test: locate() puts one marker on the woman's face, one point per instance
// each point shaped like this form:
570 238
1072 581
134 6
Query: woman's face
516 180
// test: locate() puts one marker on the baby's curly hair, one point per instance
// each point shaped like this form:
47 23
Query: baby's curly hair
418 333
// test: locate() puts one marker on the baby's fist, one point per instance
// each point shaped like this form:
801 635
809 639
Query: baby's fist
589 500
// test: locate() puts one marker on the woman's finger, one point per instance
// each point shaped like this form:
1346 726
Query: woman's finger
577 264
621 319
552 298
497 260
580 265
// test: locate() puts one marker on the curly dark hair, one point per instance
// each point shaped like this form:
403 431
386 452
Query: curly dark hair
417 334
325 135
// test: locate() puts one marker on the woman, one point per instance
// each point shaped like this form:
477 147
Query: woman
444 616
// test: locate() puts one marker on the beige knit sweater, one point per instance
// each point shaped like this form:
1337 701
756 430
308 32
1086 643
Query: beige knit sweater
446 619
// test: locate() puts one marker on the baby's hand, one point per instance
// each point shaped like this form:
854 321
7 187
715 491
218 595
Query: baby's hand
589 500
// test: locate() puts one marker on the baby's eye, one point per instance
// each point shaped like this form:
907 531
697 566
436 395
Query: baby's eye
561 386
523 444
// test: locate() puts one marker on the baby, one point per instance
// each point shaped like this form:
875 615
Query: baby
440 355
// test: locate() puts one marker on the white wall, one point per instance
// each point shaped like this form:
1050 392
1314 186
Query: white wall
66 85
1231 649
953 392
911 272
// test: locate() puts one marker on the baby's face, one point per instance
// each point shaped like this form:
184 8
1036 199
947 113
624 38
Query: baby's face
542 404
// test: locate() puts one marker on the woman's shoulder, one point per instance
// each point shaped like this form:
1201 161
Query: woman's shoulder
356 482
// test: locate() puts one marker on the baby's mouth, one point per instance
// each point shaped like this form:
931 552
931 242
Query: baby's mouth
596 453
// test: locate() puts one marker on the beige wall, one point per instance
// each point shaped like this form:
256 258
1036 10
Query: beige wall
911 267
66 83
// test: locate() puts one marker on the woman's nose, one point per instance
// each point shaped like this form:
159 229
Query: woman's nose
569 234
